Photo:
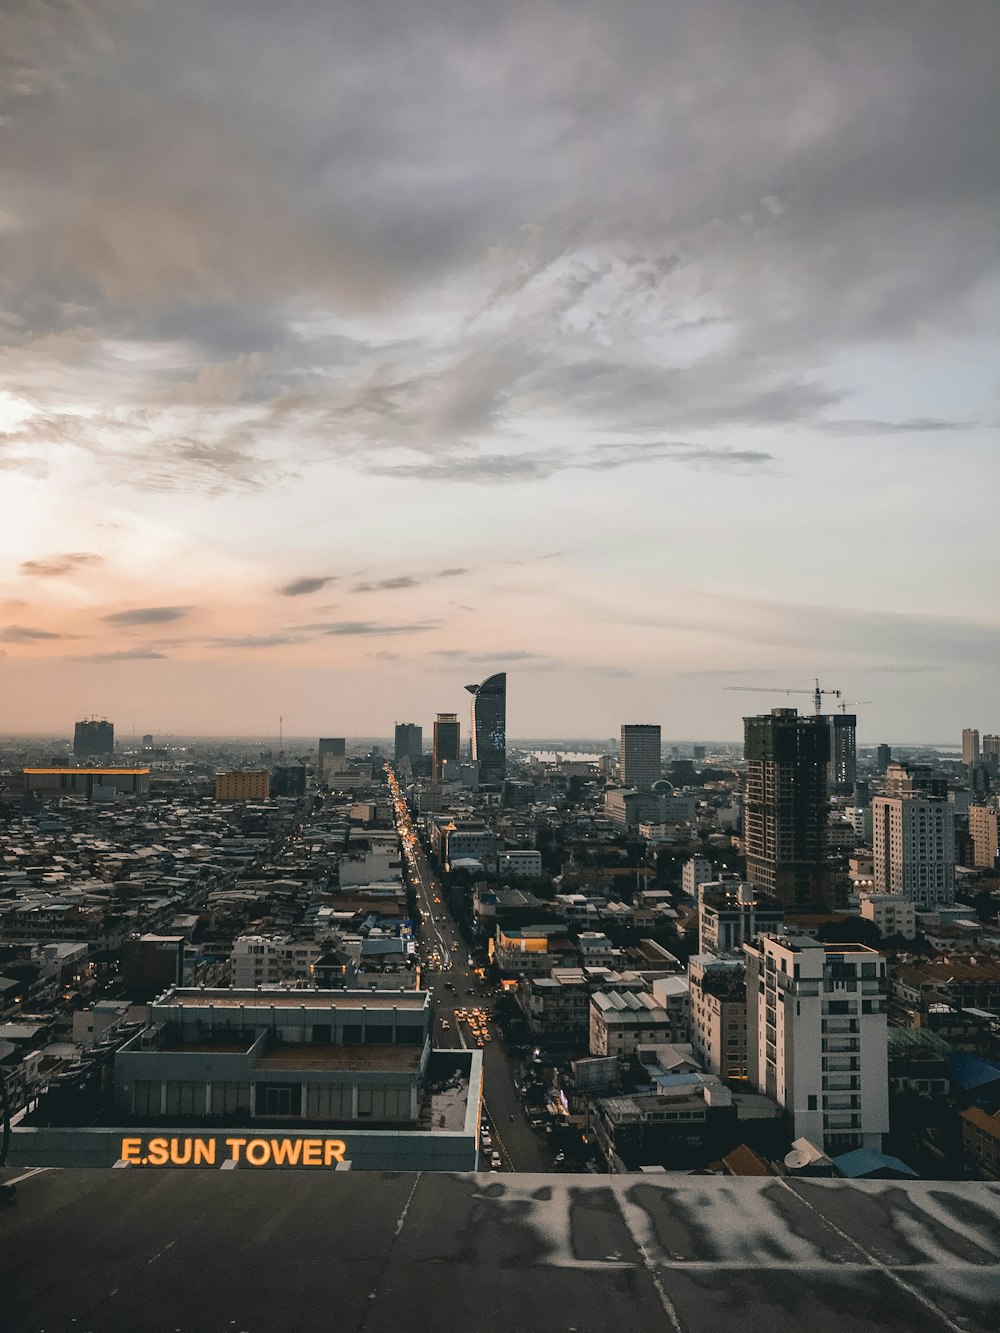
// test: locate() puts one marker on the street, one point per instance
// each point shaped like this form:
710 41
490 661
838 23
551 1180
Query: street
452 978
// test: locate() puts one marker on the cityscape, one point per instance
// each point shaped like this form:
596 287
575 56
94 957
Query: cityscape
499 641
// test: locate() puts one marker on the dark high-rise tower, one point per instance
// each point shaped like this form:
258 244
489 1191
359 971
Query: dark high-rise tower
842 772
489 727
785 813
639 756
409 741
94 739
447 740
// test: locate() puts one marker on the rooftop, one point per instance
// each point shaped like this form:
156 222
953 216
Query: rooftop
293 999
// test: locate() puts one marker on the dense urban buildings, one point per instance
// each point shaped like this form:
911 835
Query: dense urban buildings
639 755
489 727
785 814
970 745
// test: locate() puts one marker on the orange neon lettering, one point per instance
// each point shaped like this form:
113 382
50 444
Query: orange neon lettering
158 1152
286 1152
234 1146
204 1151
258 1152
180 1152
131 1151
312 1152
334 1150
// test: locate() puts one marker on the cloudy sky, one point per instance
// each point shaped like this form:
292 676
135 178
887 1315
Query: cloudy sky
349 352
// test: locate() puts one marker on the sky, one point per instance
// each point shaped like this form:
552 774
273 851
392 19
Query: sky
639 348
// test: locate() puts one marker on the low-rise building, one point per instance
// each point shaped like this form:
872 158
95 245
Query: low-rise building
243 785
719 1014
622 1021
891 913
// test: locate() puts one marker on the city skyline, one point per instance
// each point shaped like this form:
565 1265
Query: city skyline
634 350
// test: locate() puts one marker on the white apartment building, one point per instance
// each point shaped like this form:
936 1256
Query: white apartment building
719 1014
817 1038
521 864
891 912
913 849
271 960
699 870
730 912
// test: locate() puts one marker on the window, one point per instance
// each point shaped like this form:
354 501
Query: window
322 1032
811 1102
279 1099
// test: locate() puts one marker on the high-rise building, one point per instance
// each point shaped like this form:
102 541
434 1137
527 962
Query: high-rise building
409 741
970 745
817 1039
447 740
984 830
991 754
883 757
489 727
639 756
93 739
913 838
785 830
842 770
332 756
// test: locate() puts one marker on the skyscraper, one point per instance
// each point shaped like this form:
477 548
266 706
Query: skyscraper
335 746
883 757
842 770
93 739
447 740
785 812
409 743
970 745
991 754
639 755
489 727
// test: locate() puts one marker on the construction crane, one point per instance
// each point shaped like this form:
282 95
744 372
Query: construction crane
856 704
816 692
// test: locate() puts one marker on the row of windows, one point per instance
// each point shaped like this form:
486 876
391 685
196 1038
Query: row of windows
322 1101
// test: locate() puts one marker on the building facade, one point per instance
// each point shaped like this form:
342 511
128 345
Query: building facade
408 742
785 812
984 829
489 727
913 847
817 1038
719 1014
970 745
243 785
639 755
842 771
94 784
93 738
731 913
447 741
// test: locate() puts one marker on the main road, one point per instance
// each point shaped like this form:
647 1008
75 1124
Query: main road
452 978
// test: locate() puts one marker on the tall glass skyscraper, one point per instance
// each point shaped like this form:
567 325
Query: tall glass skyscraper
489 727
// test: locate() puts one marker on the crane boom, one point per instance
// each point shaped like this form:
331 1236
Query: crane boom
816 692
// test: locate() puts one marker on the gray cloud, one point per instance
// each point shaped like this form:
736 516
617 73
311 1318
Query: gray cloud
148 615
508 467
303 586
124 655
254 641
388 585
57 565
364 627
451 573
25 634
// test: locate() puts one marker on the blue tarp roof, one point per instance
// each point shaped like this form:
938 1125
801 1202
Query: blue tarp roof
970 1072
865 1161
